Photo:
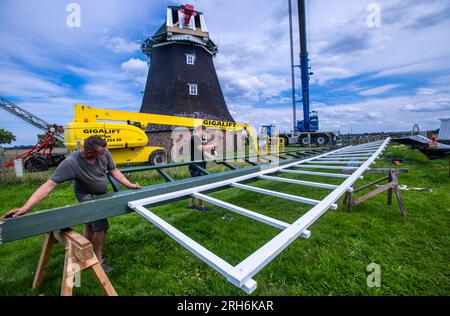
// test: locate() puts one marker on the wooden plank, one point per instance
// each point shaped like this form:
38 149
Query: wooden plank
373 193
47 248
103 280
370 184
68 273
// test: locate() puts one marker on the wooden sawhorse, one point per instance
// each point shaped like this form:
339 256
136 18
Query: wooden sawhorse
391 186
79 256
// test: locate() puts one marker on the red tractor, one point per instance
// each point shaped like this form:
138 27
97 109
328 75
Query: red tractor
41 156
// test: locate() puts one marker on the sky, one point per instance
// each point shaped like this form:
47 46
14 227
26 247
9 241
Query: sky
372 72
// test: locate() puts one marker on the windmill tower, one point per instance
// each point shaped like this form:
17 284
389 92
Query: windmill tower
182 79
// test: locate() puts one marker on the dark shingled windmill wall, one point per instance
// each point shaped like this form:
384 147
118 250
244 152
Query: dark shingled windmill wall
167 90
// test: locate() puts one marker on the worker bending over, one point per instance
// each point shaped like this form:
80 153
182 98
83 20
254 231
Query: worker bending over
199 151
88 169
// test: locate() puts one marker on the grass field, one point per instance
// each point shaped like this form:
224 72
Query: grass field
413 252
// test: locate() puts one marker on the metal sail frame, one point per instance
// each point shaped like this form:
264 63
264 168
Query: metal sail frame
361 157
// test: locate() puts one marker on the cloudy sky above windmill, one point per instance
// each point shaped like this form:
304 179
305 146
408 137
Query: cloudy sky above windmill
365 79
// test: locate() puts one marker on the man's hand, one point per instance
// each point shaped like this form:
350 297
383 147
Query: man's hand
40 194
15 213
123 180
134 186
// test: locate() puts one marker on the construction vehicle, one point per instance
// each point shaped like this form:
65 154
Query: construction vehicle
270 134
306 131
41 156
127 140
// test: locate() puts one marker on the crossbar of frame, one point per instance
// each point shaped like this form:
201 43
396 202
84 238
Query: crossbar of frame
301 182
326 167
319 174
242 211
341 159
285 196
334 162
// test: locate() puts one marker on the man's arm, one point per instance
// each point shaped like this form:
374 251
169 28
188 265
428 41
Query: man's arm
37 197
207 150
122 179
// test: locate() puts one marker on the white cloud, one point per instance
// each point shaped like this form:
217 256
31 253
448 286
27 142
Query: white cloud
20 83
378 90
120 45
135 66
137 69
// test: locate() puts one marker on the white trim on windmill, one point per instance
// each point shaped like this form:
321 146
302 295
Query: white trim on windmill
169 21
203 24
190 59
193 89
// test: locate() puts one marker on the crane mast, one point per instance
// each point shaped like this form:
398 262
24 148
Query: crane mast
304 65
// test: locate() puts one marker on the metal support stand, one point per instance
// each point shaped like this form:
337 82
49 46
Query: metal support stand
392 185
79 256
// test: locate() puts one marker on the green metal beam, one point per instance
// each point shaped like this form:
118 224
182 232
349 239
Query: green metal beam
228 165
165 175
202 170
105 206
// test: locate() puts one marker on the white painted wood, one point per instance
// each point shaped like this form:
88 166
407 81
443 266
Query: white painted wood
320 174
326 167
301 182
242 211
279 194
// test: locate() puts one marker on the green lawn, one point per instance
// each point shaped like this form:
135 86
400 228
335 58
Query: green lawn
413 252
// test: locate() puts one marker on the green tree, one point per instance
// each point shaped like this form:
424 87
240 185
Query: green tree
6 137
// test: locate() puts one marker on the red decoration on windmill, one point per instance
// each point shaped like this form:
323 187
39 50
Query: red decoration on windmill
188 11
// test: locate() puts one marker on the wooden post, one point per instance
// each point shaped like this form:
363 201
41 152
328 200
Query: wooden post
389 194
3 162
398 194
79 256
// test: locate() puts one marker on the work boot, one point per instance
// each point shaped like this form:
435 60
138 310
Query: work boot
203 209
106 267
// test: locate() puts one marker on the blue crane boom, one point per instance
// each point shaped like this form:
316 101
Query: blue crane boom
310 122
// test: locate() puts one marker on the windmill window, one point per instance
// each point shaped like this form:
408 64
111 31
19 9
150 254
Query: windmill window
190 59
193 89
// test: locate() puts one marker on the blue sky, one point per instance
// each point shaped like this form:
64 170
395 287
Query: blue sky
366 79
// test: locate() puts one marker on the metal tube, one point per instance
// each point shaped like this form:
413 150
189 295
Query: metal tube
301 182
242 211
319 174
279 194
291 37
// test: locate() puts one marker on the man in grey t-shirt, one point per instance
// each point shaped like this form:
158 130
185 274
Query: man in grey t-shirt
88 169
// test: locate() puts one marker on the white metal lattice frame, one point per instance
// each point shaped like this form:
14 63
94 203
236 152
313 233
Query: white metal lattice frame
241 275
